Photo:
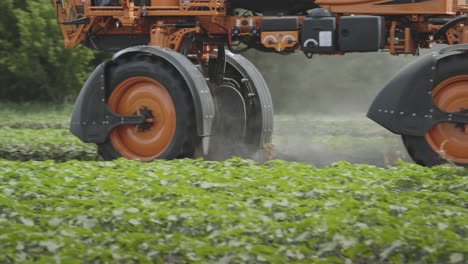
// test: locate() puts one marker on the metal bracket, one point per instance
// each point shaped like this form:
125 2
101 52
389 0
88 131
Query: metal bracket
79 21
440 116
217 67
440 34
114 120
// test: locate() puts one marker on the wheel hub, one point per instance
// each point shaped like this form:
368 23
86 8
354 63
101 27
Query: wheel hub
147 97
463 127
150 119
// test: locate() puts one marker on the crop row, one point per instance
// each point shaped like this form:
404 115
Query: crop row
34 116
60 145
235 211
286 125
40 116
43 144
33 124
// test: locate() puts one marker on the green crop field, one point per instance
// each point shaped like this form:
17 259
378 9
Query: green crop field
60 204
235 211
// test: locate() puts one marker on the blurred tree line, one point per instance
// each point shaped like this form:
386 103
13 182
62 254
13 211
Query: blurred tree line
35 66
33 63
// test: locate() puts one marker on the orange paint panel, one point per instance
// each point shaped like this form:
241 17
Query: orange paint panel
164 2
280 41
78 2
385 7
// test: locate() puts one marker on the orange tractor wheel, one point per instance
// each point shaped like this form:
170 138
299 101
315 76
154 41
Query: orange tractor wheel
445 142
144 96
149 86
449 139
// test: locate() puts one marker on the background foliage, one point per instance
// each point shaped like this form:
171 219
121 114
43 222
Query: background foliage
33 63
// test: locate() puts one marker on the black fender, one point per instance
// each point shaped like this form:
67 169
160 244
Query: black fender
406 106
92 120
257 84
88 121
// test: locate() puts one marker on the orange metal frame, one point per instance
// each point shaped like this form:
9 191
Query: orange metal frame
159 18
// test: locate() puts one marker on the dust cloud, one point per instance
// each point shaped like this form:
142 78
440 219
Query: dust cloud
321 105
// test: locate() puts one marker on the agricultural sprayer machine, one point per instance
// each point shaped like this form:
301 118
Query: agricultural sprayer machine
177 86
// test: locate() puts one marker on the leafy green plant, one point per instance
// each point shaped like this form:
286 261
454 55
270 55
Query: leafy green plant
317 139
43 144
235 211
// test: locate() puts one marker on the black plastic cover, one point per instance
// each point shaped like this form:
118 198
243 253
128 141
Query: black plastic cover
274 7
280 24
115 42
319 35
89 114
260 132
361 33
320 12
89 106
405 103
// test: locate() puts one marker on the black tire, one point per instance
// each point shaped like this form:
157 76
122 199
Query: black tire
185 137
418 147
420 151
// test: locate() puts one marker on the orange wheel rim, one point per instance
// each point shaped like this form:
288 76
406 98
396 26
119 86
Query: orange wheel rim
451 139
128 98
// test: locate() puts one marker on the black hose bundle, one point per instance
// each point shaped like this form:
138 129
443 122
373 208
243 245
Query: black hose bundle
274 7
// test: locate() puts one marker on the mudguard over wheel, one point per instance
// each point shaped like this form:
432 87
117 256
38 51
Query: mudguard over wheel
149 86
445 142
153 103
243 125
